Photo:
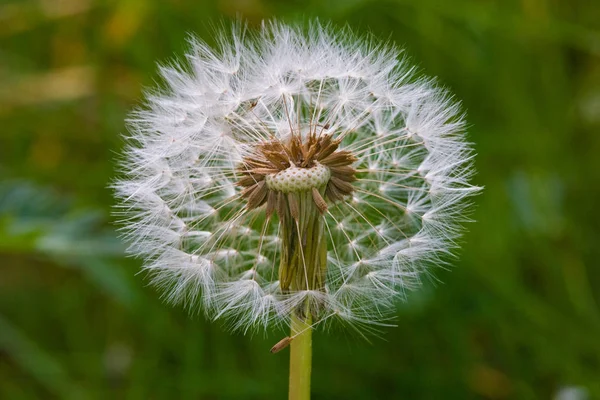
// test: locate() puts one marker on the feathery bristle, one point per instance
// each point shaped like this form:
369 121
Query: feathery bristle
199 208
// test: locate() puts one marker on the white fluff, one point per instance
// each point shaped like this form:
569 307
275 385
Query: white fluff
181 209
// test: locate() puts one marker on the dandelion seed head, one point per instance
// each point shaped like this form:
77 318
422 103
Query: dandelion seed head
294 170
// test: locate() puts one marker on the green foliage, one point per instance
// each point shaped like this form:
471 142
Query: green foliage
518 318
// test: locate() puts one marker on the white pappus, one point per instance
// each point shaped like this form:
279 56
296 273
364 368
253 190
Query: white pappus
370 162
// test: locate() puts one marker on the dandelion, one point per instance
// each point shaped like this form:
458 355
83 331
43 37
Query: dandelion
294 177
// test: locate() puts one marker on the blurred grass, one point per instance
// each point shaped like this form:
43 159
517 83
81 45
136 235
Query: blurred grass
518 318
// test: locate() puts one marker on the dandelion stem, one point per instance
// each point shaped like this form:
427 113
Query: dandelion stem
300 358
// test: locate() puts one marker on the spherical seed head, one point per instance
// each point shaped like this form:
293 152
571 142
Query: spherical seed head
294 171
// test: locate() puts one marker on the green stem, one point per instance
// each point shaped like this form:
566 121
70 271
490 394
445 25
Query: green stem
300 358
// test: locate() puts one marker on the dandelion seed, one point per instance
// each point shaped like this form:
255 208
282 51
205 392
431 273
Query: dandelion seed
282 344
294 177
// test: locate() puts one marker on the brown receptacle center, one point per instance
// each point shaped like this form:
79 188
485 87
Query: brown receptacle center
296 179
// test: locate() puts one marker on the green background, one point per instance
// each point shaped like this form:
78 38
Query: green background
517 318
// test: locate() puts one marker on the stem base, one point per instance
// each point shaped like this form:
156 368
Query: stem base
300 358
